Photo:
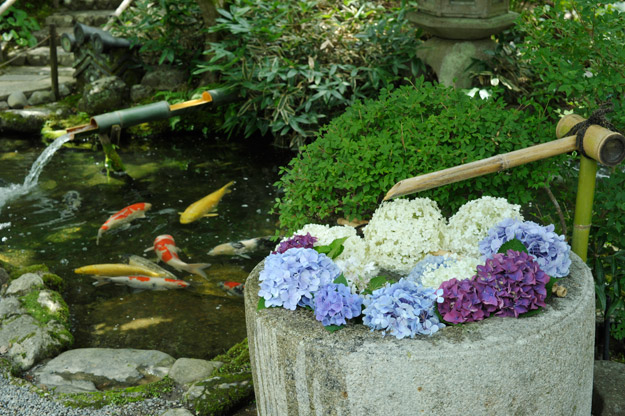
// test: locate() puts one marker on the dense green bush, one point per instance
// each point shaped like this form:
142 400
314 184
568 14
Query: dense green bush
407 132
297 63
17 27
167 31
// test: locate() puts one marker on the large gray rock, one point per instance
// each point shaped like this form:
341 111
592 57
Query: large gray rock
103 95
190 370
165 78
538 365
25 283
28 121
17 100
41 97
104 368
608 397
27 341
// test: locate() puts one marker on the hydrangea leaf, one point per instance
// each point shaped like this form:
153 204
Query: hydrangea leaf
374 284
549 286
514 244
261 304
333 328
341 280
334 249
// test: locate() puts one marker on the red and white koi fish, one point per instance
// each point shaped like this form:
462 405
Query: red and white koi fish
143 282
233 288
123 217
167 252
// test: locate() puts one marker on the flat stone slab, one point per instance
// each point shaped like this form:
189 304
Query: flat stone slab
536 365
29 79
103 368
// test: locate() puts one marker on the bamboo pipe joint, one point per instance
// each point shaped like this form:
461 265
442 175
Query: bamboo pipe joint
605 146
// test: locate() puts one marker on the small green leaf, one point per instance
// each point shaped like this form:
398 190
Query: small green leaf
261 304
549 285
514 244
333 328
341 280
374 284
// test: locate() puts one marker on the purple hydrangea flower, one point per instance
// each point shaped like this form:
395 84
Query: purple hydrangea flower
290 279
405 309
511 284
429 262
334 303
461 302
297 241
548 248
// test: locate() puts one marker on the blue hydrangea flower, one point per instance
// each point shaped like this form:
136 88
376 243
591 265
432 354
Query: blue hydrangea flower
334 303
428 263
549 249
290 279
405 309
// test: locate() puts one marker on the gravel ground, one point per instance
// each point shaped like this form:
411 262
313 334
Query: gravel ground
20 401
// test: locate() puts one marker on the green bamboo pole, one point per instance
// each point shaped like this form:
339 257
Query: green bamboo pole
583 206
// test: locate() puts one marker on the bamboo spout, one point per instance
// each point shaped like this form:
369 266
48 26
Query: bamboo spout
599 143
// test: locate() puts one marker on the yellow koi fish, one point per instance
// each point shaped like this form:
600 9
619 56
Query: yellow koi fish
204 206
143 282
110 269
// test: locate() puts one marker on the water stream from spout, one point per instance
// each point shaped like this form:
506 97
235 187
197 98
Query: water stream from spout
13 191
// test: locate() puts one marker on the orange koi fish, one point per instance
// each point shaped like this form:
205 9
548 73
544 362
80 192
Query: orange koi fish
206 206
167 252
123 217
143 282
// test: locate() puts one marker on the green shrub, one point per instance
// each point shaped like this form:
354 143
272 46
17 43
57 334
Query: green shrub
567 55
17 27
167 31
296 63
413 130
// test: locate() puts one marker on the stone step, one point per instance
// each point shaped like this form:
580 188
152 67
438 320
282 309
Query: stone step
94 18
41 57
91 4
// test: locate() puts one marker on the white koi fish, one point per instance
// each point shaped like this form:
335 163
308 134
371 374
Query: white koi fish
167 252
241 248
143 282
123 217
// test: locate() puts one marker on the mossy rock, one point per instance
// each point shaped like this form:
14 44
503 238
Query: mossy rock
15 272
95 400
229 387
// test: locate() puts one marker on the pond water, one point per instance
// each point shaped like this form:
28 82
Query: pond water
57 221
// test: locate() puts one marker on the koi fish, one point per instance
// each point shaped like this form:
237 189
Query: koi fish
167 252
241 248
205 206
233 288
123 217
143 282
148 264
110 269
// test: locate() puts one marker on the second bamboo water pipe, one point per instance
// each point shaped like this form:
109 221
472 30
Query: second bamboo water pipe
599 144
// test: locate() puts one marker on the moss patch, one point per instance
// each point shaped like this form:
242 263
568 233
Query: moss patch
43 314
162 388
236 360
15 272
224 393
53 281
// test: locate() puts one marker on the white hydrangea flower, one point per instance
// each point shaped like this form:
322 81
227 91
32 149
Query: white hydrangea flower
468 226
356 265
401 232
461 268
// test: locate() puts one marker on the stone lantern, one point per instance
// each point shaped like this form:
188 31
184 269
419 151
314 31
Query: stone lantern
461 32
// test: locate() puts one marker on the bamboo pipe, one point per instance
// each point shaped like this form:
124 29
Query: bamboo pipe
607 146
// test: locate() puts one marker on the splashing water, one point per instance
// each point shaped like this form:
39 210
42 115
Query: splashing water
13 191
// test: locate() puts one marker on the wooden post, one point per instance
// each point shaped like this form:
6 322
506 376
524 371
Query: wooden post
113 161
54 64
